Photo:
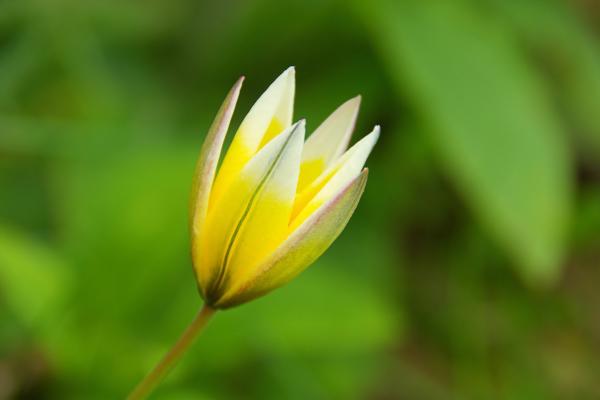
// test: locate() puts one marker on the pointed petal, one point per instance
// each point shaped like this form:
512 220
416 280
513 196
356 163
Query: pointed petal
209 158
301 248
330 182
268 181
328 142
268 117
266 224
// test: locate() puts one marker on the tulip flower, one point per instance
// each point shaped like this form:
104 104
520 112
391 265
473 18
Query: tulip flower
274 205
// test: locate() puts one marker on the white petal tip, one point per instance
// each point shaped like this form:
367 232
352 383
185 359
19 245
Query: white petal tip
352 104
239 82
374 135
299 128
290 71
376 132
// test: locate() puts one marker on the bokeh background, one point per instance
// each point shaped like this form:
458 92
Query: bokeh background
469 271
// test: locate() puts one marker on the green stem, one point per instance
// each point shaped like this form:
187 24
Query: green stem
146 386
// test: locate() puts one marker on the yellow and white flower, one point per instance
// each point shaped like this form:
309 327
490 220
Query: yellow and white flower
277 202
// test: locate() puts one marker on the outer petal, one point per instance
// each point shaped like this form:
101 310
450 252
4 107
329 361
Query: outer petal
250 218
208 160
330 182
268 117
301 248
328 142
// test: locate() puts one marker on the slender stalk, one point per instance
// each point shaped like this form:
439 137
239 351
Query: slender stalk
146 386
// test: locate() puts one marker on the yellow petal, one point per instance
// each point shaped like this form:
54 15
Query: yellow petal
328 142
208 160
301 248
266 223
250 219
268 117
330 182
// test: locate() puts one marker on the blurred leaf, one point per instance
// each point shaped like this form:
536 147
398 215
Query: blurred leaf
33 280
123 216
117 210
586 223
490 121
17 61
181 394
569 47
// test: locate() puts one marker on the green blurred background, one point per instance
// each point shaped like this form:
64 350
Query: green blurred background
469 271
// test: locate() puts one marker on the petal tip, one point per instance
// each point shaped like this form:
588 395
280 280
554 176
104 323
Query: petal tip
369 140
352 105
356 99
235 90
376 132
298 129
